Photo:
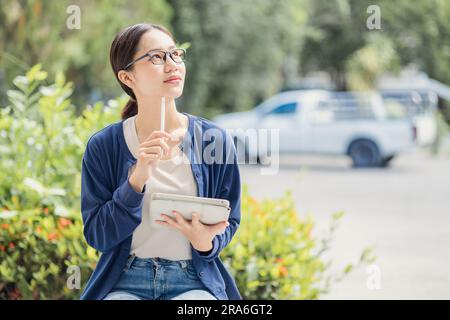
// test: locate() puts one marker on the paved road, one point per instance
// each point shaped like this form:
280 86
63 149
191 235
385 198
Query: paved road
404 211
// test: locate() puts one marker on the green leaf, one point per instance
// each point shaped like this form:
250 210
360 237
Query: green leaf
6 214
348 268
61 210
35 73
34 185
21 82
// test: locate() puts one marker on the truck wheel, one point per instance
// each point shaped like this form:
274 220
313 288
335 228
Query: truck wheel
387 160
364 153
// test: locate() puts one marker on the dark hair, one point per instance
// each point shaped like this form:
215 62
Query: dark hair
123 49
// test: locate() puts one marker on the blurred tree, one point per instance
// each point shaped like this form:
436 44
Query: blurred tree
421 34
35 31
341 44
238 49
366 64
338 29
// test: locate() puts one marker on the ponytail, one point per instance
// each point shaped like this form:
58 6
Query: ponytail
130 109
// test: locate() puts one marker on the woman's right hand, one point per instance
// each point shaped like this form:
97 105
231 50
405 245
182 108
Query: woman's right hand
150 151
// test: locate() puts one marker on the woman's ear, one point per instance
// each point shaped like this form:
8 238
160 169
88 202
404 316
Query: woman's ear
126 78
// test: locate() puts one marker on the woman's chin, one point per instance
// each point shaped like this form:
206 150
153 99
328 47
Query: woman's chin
173 93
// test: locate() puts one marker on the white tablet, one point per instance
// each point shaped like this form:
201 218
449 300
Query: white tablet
209 210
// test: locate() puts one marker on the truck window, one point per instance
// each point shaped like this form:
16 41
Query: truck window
322 113
343 108
286 108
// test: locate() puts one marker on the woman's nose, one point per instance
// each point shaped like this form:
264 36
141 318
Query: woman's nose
169 62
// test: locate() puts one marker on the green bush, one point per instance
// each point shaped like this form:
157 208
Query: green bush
37 249
41 145
273 255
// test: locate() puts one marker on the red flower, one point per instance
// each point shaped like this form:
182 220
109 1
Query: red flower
2 248
283 271
11 245
46 210
63 222
52 236
5 226
15 294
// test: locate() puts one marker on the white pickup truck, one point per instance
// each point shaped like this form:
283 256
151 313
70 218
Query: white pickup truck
358 125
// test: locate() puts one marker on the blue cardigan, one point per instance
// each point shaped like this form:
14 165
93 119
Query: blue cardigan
111 208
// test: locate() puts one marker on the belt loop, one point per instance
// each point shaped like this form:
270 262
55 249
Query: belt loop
183 264
130 260
155 262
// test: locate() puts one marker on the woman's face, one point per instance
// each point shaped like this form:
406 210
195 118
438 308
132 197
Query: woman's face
147 79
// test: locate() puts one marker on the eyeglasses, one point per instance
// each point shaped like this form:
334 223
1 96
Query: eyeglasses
159 57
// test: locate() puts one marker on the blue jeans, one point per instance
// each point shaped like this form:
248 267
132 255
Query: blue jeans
159 279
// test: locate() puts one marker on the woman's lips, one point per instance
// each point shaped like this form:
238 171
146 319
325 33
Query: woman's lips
173 81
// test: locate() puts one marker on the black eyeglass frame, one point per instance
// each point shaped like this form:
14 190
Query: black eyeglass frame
148 54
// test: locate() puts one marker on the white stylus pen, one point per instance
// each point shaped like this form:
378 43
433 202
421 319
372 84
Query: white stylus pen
163 112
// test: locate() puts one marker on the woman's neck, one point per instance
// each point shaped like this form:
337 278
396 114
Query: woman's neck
149 116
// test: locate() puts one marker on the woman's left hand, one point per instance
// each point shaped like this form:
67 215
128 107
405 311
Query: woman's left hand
200 235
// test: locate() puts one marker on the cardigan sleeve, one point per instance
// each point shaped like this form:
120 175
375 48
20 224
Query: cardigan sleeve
109 216
230 189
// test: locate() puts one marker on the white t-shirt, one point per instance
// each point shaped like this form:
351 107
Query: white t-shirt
170 176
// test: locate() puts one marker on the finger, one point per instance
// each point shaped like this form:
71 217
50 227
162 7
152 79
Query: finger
153 150
195 219
158 143
149 158
181 221
153 142
158 134
165 146
171 222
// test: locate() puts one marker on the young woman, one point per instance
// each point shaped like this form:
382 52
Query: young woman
128 160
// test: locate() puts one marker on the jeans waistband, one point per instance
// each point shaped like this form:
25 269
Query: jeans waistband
133 260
